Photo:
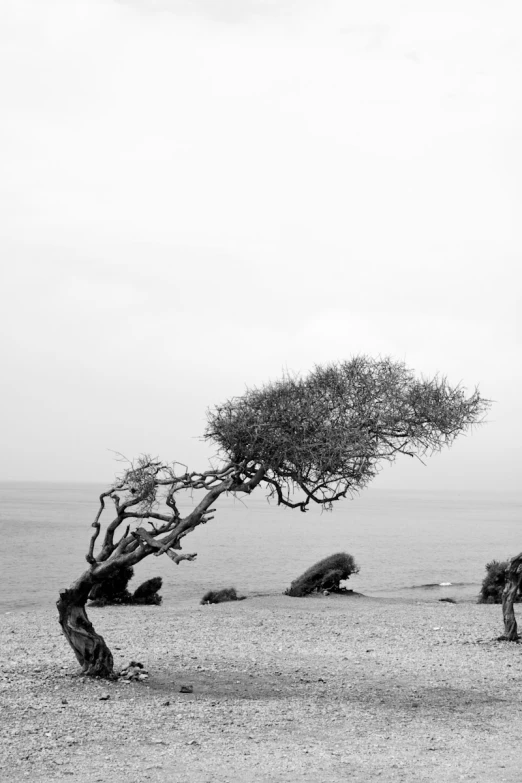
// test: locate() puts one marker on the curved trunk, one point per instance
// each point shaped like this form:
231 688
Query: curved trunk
90 649
509 594
508 611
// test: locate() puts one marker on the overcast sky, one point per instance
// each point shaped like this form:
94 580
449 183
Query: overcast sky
196 195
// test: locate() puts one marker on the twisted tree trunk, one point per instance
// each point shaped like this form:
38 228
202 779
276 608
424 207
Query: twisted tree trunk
90 649
509 594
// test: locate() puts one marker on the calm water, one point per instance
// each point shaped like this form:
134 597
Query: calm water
406 543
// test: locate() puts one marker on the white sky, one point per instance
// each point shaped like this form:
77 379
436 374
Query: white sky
198 194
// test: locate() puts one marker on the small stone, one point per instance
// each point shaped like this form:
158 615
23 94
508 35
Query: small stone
105 697
166 704
192 742
186 689
64 701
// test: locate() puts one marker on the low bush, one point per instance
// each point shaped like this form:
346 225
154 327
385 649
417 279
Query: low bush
148 592
493 583
325 575
220 596
115 591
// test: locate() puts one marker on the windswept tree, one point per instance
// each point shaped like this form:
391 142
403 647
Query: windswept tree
313 439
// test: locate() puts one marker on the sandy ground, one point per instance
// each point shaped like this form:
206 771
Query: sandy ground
284 689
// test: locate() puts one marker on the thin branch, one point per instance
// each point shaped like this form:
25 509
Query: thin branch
178 558
122 543
96 524
148 515
151 540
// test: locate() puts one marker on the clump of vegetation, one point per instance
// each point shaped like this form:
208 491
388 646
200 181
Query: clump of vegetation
326 575
493 583
115 590
220 596
148 592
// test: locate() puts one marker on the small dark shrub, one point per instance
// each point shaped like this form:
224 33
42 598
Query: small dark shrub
493 583
114 590
148 592
325 575
219 596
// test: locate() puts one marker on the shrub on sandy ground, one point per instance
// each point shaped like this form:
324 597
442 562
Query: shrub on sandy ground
493 583
325 575
148 592
219 596
115 591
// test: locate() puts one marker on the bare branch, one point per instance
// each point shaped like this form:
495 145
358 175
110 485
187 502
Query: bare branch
151 540
122 543
96 524
196 517
170 518
178 558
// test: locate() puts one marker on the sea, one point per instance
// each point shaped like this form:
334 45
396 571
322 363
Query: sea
410 545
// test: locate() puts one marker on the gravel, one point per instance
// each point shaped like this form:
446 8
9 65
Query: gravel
323 688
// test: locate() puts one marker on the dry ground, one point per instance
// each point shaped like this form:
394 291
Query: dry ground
285 689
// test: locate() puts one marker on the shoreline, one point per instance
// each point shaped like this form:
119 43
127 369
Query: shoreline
284 689
423 594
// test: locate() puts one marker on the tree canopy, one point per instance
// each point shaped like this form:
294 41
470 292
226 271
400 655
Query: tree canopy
327 433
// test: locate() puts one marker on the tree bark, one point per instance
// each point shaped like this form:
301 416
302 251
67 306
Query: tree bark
509 594
90 649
